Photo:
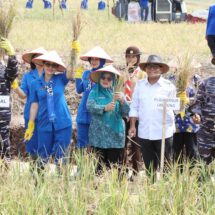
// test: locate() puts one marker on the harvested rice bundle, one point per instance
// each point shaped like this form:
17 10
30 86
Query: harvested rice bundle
7 14
182 80
77 26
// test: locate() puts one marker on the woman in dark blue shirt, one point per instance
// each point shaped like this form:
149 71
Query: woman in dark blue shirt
50 107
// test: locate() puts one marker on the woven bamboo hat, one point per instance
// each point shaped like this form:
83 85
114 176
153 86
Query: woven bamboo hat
97 52
52 57
94 76
27 56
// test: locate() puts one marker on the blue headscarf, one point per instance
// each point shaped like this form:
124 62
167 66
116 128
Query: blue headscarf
104 96
101 64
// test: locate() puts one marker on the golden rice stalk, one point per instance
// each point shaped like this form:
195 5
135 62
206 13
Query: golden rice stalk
77 26
7 14
184 72
119 87
120 81
182 78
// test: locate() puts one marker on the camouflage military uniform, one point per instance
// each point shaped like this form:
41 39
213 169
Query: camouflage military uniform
205 106
7 76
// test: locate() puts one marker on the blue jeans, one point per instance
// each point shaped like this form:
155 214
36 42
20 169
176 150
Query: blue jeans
144 10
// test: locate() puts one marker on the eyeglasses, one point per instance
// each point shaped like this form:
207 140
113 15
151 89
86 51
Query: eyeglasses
153 66
53 65
106 78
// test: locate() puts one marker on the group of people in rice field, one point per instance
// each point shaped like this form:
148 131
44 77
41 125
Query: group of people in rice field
107 119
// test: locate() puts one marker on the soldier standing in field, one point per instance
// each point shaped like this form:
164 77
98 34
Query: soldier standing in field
204 107
7 76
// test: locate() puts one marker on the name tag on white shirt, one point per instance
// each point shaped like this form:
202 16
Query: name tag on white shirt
172 104
4 101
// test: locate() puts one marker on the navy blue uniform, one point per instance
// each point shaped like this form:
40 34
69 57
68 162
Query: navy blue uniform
7 76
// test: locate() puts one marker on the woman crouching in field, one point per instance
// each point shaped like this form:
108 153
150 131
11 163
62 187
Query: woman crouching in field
107 129
50 107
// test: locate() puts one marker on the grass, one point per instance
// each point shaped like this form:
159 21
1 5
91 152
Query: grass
38 27
177 194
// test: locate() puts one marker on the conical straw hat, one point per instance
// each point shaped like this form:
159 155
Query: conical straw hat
97 52
27 56
94 76
52 57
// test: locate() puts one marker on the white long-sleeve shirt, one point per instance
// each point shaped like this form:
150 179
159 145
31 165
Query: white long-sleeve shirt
143 107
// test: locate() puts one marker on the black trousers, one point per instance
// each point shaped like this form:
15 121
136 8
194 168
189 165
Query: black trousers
108 157
211 44
151 152
187 140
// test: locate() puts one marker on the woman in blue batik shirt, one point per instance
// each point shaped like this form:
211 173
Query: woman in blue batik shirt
24 92
97 58
49 104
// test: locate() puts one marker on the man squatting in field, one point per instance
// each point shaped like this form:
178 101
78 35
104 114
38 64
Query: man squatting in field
7 75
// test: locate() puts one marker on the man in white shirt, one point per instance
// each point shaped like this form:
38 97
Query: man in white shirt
150 118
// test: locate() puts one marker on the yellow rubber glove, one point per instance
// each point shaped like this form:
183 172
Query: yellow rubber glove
30 130
76 46
183 98
79 72
6 45
14 84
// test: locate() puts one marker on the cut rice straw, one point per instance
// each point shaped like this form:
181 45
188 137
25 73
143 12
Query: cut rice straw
7 14
183 75
77 26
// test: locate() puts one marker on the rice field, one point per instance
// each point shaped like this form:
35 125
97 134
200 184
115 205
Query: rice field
75 189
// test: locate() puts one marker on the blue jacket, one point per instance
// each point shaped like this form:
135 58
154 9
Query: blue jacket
210 30
26 84
84 86
143 3
39 95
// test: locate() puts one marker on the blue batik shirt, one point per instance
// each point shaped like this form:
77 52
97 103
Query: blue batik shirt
39 95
